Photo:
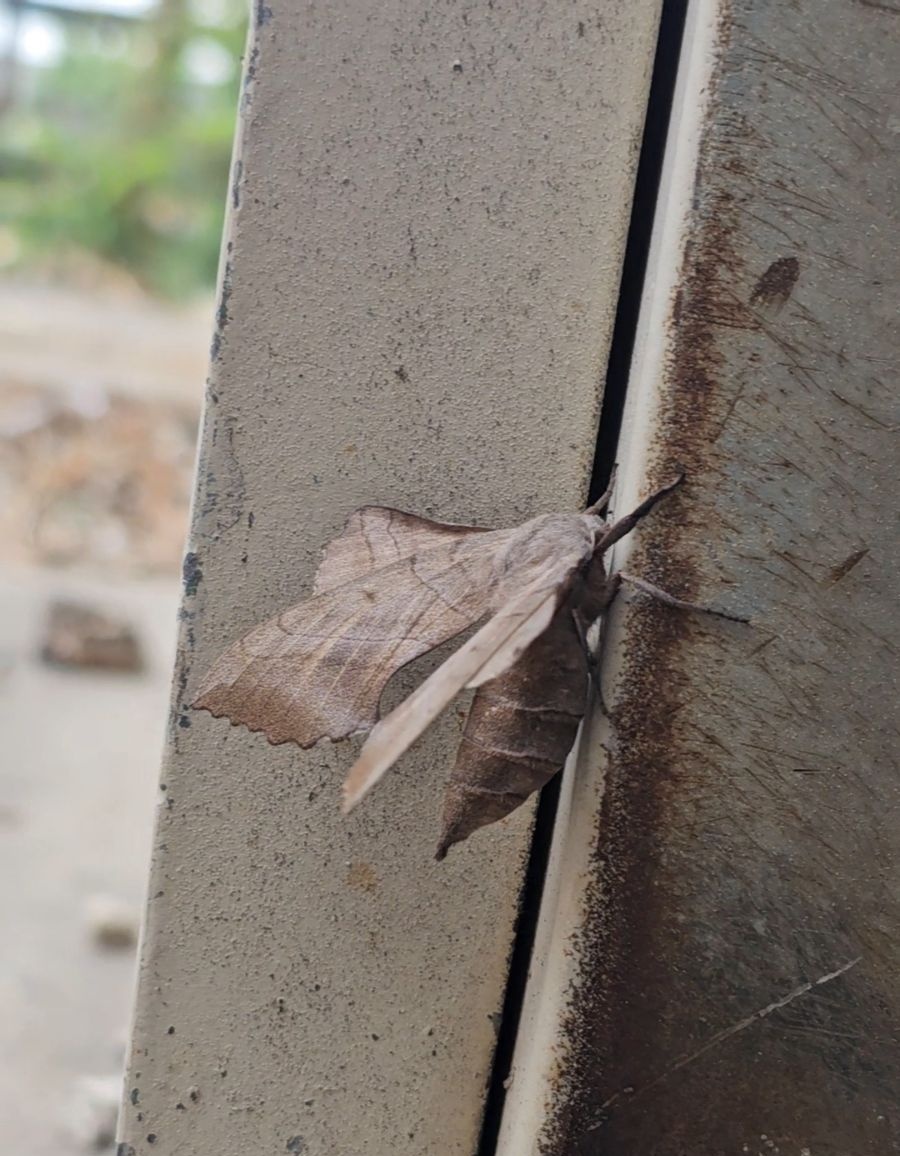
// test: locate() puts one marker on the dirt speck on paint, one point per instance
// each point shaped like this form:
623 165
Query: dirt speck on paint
362 876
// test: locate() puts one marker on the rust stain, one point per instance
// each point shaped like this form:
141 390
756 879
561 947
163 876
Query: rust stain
362 876
665 968
626 907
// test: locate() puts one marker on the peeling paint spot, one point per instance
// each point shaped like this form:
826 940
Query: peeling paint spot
223 481
222 314
248 80
236 183
191 574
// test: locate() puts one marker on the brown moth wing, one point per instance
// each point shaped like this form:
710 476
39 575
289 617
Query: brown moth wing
536 574
377 536
520 729
318 669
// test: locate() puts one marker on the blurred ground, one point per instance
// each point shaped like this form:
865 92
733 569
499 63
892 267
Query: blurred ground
99 400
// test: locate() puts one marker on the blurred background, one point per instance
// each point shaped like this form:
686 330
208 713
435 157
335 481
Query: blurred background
116 124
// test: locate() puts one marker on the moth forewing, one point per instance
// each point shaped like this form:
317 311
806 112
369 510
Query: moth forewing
377 536
318 669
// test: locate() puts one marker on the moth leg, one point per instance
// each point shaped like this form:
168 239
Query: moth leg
670 599
581 629
602 502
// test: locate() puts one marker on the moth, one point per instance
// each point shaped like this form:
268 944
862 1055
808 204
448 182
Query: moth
393 586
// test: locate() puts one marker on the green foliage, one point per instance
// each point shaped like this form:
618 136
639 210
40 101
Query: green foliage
121 151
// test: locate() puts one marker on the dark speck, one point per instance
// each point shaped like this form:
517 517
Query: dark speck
135 1095
457 66
776 284
580 28
843 568
170 1031
400 372
151 1137
296 1144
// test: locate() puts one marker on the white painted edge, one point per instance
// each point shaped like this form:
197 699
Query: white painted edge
541 1044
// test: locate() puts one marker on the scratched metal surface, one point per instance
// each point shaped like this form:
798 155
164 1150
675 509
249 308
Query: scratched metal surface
718 958
427 225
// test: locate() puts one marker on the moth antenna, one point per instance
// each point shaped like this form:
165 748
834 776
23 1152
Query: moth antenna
625 525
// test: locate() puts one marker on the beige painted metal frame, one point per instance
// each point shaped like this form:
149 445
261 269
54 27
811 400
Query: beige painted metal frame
428 212
719 946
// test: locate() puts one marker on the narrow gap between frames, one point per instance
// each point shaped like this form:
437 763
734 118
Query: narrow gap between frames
634 267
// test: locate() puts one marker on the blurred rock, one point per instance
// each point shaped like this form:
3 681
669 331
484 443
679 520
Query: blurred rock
80 636
113 924
91 1115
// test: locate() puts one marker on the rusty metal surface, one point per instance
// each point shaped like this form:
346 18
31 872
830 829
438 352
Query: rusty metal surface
428 215
718 968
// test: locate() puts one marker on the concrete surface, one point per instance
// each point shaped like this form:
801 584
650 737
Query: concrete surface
78 776
429 206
